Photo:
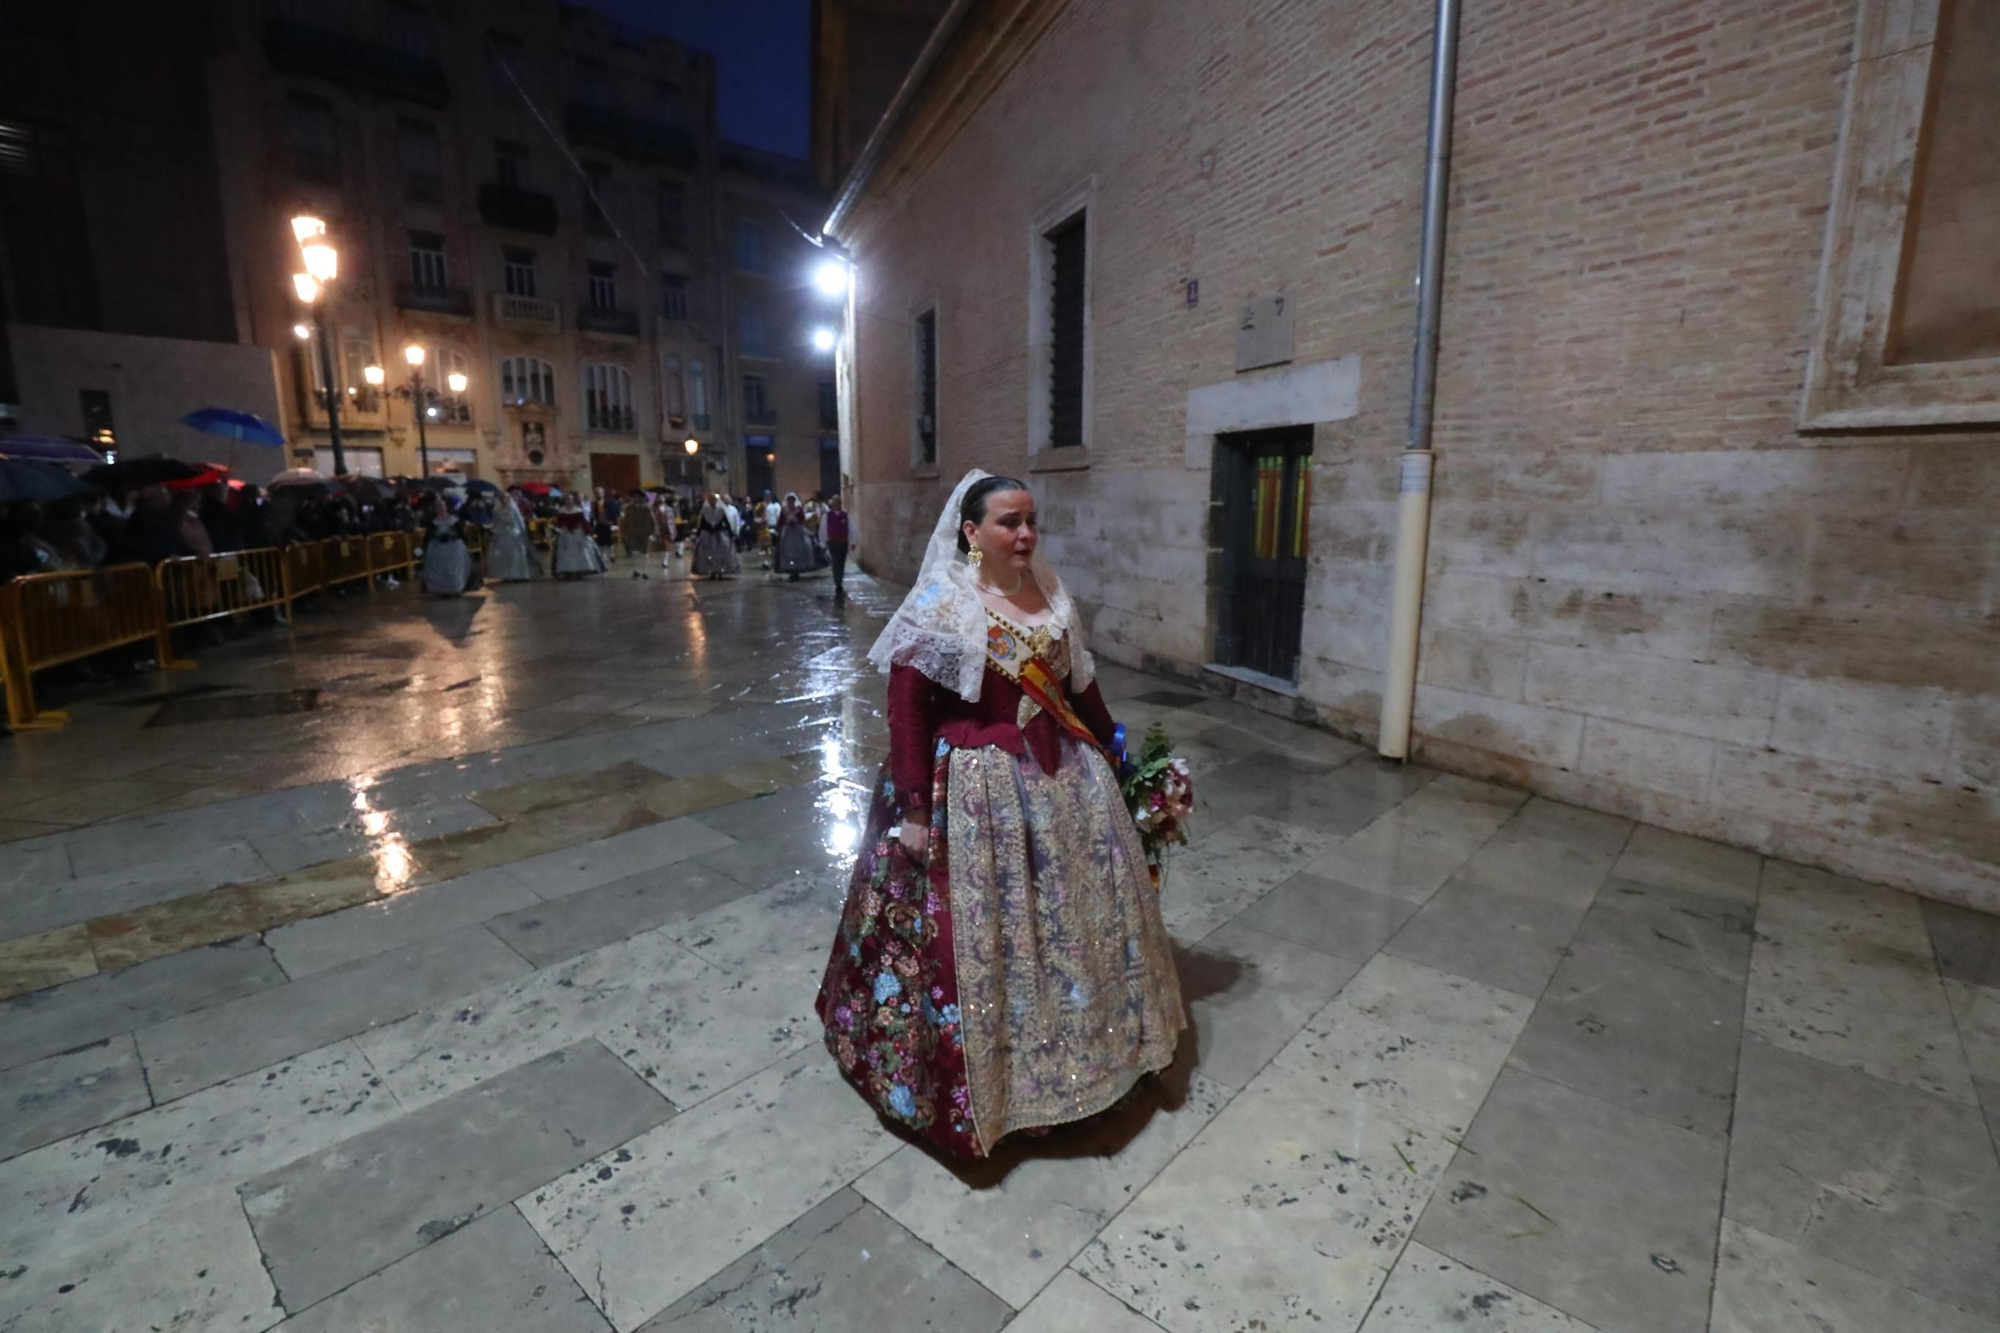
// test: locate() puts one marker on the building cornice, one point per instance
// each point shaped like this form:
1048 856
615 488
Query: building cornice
973 48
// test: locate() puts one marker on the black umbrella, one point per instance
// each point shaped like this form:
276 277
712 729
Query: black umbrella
36 481
437 484
141 472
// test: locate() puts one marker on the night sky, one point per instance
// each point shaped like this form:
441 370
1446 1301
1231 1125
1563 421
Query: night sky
763 78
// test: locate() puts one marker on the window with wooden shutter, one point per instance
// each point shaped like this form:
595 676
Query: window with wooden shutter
1066 273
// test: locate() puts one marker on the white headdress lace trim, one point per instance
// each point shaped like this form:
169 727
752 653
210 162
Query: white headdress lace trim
940 629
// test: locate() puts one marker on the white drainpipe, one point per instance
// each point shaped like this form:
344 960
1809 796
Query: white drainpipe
1413 507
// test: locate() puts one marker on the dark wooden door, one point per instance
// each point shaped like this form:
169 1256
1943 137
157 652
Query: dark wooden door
617 473
1266 485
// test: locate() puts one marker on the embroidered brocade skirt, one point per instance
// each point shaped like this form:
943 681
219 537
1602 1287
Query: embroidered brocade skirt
1024 978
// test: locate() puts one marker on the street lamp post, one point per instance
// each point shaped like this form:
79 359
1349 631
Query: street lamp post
422 396
322 264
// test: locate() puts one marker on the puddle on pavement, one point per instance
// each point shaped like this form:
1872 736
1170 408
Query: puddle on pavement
234 707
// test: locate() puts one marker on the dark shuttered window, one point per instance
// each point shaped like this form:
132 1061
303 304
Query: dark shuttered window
1067 261
927 387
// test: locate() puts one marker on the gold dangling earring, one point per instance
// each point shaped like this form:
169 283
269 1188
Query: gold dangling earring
974 556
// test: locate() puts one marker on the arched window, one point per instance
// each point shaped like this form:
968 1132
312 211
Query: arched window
607 398
527 379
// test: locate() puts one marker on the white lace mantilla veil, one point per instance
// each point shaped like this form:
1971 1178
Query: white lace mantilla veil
940 629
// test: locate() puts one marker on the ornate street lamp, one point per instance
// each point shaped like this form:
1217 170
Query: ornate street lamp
423 398
322 266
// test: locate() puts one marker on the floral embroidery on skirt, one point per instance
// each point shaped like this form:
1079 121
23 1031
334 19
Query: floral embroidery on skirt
1023 979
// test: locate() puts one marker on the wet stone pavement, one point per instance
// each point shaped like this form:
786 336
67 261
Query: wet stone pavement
449 967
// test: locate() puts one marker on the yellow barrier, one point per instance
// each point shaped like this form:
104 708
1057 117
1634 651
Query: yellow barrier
391 551
49 619
304 569
542 533
195 588
346 559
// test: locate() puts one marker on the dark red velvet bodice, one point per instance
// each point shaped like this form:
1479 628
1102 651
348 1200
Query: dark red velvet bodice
922 712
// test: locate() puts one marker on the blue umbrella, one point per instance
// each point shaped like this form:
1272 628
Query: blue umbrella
480 486
48 449
36 481
233 425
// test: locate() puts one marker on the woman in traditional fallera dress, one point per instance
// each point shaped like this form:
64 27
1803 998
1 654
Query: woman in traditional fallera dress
447 567
1001 964
510 555
795 550
576 553
714 542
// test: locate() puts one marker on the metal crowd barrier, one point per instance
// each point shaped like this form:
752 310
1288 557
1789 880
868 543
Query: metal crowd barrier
49 619
541 533
195 588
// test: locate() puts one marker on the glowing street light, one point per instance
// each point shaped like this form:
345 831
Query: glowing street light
692 445
305 226
457 381
302 331
823 340
374 375
414 354
831 277
322 264
306 287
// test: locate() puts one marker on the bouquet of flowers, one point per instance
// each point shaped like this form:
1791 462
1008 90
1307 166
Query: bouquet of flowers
1158 791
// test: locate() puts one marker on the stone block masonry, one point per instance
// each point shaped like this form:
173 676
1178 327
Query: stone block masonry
1647 590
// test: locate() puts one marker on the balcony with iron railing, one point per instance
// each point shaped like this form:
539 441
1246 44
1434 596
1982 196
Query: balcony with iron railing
618 323
297 46
644 140
517 209
527 312
435 300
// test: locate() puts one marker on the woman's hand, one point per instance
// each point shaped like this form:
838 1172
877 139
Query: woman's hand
916 837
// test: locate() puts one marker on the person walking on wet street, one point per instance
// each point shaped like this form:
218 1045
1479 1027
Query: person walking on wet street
834 524
1001 964
637 529
577 553
793 546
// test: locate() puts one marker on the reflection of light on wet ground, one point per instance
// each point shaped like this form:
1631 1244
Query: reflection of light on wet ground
394 867
842 837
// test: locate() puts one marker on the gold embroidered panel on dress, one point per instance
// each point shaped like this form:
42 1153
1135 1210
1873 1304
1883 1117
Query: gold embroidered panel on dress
1010 647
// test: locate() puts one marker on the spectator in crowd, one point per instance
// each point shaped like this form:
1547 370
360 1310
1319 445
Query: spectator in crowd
217 519
155 529
195 535
254 529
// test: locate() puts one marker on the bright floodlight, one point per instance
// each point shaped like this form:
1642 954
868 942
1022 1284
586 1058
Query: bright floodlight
457 381
306 286
823 340
691 444
374 375
301 332
414 354
305 226
831 277
322 260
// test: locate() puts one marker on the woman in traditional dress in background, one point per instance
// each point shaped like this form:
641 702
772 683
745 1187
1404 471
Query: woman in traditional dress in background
714 541
510 554
576 553
1001 964
794 545
447 564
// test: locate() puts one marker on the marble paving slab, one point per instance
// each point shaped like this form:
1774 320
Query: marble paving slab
60 1095
91 1185
1015 1220
328 1220
1763 1284
492 1276
50 903
1329 915
548 931
203 1272
1429 1292
1250 993
1495 936
221 1041
421 912
685 1200
1843 971
80 1012
1639 1034
588 864
1552 1214
1977 1011
1873 1173
843 1267
1289 1207
37 962
1231 868
1679 927
1071 1303
1677 861
477 1036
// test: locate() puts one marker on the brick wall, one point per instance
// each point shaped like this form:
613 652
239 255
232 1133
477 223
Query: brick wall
1647 591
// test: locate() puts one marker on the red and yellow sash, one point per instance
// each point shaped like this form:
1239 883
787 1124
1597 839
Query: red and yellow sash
1040 683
